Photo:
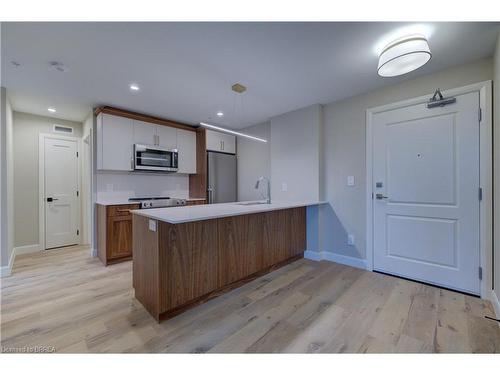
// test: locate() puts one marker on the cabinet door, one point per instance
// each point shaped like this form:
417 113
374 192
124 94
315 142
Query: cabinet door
167 136
117 137
119 243
214 141
186 146
144 133
228 143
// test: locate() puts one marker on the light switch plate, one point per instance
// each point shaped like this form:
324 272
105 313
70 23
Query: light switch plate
152 225
350 180
350 239
284 186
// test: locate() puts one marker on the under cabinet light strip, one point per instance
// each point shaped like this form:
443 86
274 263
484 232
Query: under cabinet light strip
205 125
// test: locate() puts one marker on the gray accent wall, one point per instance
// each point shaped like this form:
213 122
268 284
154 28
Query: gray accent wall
296 154
27 127
254 160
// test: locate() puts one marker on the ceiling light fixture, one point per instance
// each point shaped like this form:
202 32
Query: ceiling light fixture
220 113
59 66
403 56
134 87
51 110
205 125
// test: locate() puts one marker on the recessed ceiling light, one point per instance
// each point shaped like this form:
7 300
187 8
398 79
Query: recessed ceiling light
51 110
403 55
134 87
220 113
59 66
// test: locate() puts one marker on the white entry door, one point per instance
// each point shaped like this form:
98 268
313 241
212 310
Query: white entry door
61 192
426 193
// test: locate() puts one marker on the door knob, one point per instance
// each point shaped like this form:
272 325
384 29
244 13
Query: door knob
50 199
380 196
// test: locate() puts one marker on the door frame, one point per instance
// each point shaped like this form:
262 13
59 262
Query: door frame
485 172
41 185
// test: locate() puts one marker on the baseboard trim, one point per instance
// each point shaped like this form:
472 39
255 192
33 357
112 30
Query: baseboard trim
495 302
313 255
27 249
337 258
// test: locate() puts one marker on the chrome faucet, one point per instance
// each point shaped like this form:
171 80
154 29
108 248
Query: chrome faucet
262 178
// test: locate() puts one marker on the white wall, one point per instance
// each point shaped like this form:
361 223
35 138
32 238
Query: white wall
496 163
6 182
254 160
27 128
295 154
86 163
344 152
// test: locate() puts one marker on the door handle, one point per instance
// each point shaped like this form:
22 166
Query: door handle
380 196
50 199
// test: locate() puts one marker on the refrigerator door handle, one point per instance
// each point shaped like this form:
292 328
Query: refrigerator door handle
210 192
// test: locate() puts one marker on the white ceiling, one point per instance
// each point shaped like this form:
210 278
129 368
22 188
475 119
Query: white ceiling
185 70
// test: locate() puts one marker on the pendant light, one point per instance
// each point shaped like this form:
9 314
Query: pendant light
403 56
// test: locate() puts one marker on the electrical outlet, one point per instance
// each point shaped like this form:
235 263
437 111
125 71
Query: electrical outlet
350 239
152 225
284 186
350 180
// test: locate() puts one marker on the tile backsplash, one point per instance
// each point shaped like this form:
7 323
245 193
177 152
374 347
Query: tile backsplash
126 185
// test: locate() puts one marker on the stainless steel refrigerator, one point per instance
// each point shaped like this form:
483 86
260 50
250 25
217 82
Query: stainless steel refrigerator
221 184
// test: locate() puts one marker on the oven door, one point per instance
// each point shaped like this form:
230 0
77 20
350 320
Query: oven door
152 158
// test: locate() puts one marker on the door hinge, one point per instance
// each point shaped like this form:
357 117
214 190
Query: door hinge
480 194
480 273
480 114
77 232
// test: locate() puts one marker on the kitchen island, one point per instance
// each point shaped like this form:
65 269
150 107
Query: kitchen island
184 256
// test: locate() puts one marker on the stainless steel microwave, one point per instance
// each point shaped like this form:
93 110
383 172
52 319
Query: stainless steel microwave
155 158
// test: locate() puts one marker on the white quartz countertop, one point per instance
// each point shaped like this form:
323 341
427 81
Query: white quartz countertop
120 201
177 215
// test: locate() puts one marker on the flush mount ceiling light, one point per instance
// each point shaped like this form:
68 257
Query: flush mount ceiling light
209 126
134 87
220 113
51 110
403 56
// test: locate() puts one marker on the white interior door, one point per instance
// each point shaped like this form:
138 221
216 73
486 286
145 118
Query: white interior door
426 176
61 197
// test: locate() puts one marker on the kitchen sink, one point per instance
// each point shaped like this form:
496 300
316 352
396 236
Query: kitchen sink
251 203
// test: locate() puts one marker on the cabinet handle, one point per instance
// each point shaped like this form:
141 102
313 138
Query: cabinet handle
124 210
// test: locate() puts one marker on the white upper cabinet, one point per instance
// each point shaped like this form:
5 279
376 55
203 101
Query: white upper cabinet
186 146
166 137
115 139
144 133
221 142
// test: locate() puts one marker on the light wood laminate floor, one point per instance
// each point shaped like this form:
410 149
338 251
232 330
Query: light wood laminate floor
66 299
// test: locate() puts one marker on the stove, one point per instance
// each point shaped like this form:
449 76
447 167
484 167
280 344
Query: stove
158 202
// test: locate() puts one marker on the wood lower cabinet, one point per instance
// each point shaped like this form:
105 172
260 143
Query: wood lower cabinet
196 202
114 233
182 265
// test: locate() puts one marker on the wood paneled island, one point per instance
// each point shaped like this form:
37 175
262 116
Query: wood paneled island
184 256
